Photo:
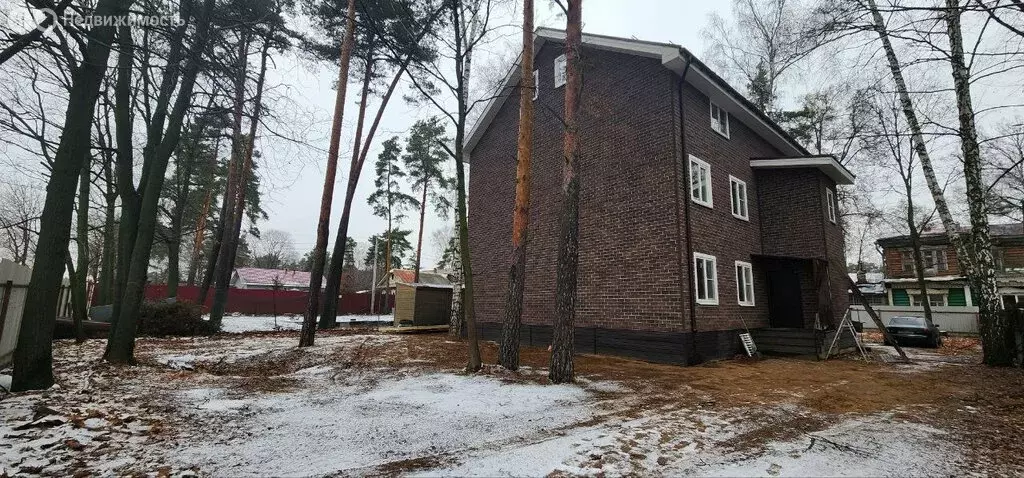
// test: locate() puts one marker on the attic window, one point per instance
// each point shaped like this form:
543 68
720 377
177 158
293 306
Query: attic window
560 70
719 120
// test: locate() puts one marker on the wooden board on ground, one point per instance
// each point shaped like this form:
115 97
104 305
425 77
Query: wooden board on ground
415 329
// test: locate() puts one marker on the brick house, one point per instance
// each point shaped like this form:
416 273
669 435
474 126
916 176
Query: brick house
946 286
699 216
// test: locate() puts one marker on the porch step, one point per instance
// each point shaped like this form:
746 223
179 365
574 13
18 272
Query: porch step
786 341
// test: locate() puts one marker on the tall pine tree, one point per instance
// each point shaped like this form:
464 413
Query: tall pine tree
424 159
388 200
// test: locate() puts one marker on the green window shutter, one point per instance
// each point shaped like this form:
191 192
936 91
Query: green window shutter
956 298
900 297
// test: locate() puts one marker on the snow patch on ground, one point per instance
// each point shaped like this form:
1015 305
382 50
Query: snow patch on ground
427 415
872 446
235 324
5 382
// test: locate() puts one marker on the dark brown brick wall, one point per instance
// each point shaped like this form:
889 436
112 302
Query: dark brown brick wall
629 264
634 259
716 231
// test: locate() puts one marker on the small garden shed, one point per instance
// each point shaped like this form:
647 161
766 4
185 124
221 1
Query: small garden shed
422 304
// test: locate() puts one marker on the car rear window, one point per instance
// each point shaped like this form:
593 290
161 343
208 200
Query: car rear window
918 321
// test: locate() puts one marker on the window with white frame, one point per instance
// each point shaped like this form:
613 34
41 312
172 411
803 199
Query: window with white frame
738 193
705 275
830 198
745 283
935 300
700 182
536 84
719 120
560 70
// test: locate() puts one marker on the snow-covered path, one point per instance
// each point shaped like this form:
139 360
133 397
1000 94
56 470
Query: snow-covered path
235 324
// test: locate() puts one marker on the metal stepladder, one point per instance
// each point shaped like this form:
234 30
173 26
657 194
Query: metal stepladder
846 324
748 341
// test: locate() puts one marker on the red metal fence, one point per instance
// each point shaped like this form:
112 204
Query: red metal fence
265 302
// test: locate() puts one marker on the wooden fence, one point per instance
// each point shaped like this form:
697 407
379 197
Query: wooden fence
261 301
13 292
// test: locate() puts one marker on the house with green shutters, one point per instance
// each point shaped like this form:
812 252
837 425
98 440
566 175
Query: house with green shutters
946 289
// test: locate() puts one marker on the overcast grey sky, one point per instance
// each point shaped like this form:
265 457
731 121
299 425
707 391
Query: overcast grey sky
293 176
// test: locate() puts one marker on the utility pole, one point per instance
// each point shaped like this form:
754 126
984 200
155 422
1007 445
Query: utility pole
373 283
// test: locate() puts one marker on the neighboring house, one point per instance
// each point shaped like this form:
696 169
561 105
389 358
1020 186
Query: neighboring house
871 286
699 216
946 286
266 279
436 278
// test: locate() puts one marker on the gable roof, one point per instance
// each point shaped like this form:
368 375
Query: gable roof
265 277
434 278
675 58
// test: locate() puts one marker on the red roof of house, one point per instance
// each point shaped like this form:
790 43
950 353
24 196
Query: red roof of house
287 278
404 275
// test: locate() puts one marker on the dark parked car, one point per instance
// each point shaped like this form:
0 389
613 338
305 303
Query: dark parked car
908 330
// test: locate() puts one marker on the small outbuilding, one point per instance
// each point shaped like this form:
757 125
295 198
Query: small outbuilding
421 304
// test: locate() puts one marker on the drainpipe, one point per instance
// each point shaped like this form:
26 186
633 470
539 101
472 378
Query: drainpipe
694 357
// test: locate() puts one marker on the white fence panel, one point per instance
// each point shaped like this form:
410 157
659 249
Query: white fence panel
961 320
13 291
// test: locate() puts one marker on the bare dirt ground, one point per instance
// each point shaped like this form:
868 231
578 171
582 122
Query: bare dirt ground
360 403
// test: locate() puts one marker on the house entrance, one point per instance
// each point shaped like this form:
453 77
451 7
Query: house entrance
785 306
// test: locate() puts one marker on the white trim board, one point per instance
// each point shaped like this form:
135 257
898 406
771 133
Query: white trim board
825 164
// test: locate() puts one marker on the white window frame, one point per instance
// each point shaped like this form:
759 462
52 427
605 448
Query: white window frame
740 210
710 283
744 283
917 303
536 84
830 198
698 165
719 124
559 65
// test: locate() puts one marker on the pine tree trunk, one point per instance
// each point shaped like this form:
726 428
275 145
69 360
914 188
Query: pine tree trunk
329 315
230 250
419 237
211 260
563 340
509 353
174 259
105 285
222 268
121 345
124 171
77 302
33 358
323 226
79 282
997 338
